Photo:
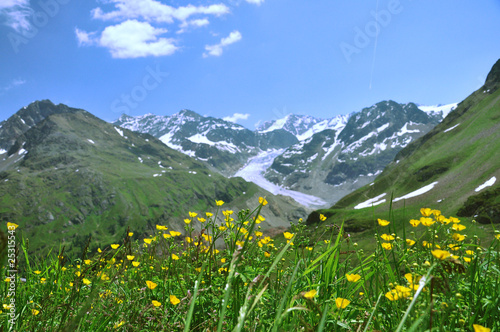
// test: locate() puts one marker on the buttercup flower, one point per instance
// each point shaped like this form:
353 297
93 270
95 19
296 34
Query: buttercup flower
262 201
151 285
310 294
288 235
352 277
387 237
383 222
322 217
441 254
341 303
174 300
425 212
156 303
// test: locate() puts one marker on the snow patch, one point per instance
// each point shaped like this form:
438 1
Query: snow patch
488 183
119 131
451 128
418 192
2 151
371 202
140 159
91 141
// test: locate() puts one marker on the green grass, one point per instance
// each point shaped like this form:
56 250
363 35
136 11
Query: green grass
306 279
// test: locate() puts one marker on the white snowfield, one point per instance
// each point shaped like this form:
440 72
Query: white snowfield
418 192
371 202
488 183
253 172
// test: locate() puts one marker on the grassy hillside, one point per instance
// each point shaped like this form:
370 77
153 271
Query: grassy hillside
73 175
458 156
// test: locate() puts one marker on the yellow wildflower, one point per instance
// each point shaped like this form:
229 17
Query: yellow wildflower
222 228
151 285
11 225
267 254
287 235
117 325
174 233
209 214
387 237
262 201
322 217
175 257
383 222
115 246
130 234
86 281
260 219
425 212
427 221
148 241
193 214
441 254
156 303
415 222
353 277
130 257
410 242
387 246
458 237
454 220
341 303
258 234
35 312
202 220
458 227
219 203
187 221
174 300
480 328
37 272
309 295
136 264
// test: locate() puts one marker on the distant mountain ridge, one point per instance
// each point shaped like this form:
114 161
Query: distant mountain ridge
320 155
221 144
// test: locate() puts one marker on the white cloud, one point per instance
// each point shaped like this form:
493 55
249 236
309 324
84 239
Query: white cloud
13 84
130 39
155 11
133 39
255 2
85 38
216 50
193 23
235 117
16 14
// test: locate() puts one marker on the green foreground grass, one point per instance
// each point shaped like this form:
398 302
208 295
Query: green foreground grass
231 277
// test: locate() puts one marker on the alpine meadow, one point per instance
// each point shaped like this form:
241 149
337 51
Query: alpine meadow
249 165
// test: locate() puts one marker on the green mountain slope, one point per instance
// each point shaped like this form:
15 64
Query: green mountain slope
72 175
451 162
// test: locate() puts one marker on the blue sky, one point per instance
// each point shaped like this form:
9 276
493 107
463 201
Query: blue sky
245 60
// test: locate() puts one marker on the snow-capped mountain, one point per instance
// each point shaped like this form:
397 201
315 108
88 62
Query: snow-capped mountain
328 158
334 162
440 111
224 145
304 126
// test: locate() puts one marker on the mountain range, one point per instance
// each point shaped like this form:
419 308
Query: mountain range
325 158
